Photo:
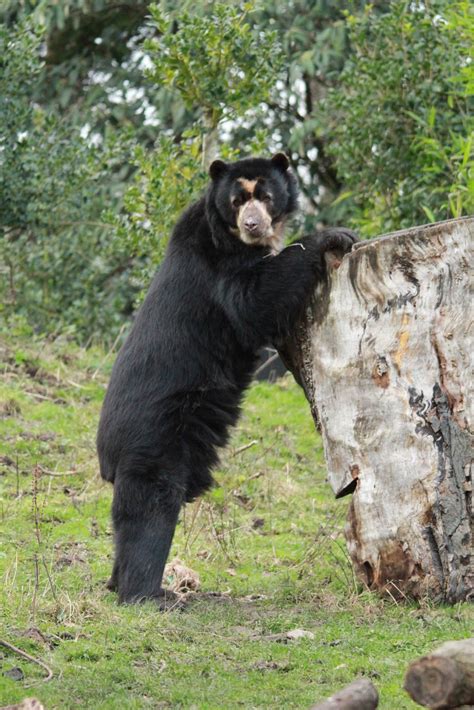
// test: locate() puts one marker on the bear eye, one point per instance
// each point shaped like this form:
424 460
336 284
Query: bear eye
266 198
236 202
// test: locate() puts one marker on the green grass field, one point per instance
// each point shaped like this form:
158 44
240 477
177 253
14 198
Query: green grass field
268 538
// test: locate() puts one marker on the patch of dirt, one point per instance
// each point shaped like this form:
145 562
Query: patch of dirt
9 408
14 674
272 666
70 554
286 636
6 461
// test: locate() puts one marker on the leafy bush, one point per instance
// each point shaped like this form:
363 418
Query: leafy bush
220 64
57 266
402 123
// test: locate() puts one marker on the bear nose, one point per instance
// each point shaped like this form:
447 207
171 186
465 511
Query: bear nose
251 225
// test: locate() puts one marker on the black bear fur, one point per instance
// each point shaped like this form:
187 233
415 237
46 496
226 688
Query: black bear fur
177 383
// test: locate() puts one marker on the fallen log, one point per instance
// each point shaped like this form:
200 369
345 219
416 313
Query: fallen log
445 678
385 356
359 695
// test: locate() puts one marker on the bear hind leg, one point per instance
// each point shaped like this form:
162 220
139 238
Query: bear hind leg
145 514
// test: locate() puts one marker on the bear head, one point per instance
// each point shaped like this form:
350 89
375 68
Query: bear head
251 200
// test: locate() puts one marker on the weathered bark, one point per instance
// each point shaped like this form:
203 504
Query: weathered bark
210 141
445 678
359 695
385 356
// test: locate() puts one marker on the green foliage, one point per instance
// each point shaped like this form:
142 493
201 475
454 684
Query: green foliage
314 37
167 180
402 127
92 69
460 16
57 267
389 88
218 63
88 263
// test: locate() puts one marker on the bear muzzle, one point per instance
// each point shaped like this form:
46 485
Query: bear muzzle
254 222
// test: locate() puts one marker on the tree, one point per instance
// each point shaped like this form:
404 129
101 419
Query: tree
57 266
94 69
401 121
315 40
89 76
220 69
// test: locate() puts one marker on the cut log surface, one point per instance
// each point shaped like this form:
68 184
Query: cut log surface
445 678
385 356
359 695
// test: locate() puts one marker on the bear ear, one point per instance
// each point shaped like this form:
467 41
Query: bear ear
217 168
281 162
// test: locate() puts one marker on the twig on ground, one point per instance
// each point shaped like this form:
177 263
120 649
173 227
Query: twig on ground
47 472
243 448
23 654
37 395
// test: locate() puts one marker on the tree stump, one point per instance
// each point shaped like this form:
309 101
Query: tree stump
385 356
445 678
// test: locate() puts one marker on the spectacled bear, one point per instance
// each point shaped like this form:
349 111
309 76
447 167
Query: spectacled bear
226 288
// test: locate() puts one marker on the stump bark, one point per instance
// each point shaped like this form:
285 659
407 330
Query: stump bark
445 678
385 356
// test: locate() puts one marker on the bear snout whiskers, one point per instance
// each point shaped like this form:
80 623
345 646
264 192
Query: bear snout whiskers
254 222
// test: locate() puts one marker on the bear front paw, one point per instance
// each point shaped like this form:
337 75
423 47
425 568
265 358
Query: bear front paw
337 239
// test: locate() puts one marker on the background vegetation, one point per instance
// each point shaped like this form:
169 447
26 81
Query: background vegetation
105 109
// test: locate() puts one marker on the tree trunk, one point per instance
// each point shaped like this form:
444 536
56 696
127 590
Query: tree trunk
385 356
445 678
210 141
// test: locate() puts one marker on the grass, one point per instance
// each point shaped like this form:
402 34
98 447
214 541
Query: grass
270 536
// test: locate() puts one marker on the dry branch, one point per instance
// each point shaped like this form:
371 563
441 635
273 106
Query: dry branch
23 654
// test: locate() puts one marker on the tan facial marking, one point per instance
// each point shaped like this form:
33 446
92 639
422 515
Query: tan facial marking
248 185
277 240
269 235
